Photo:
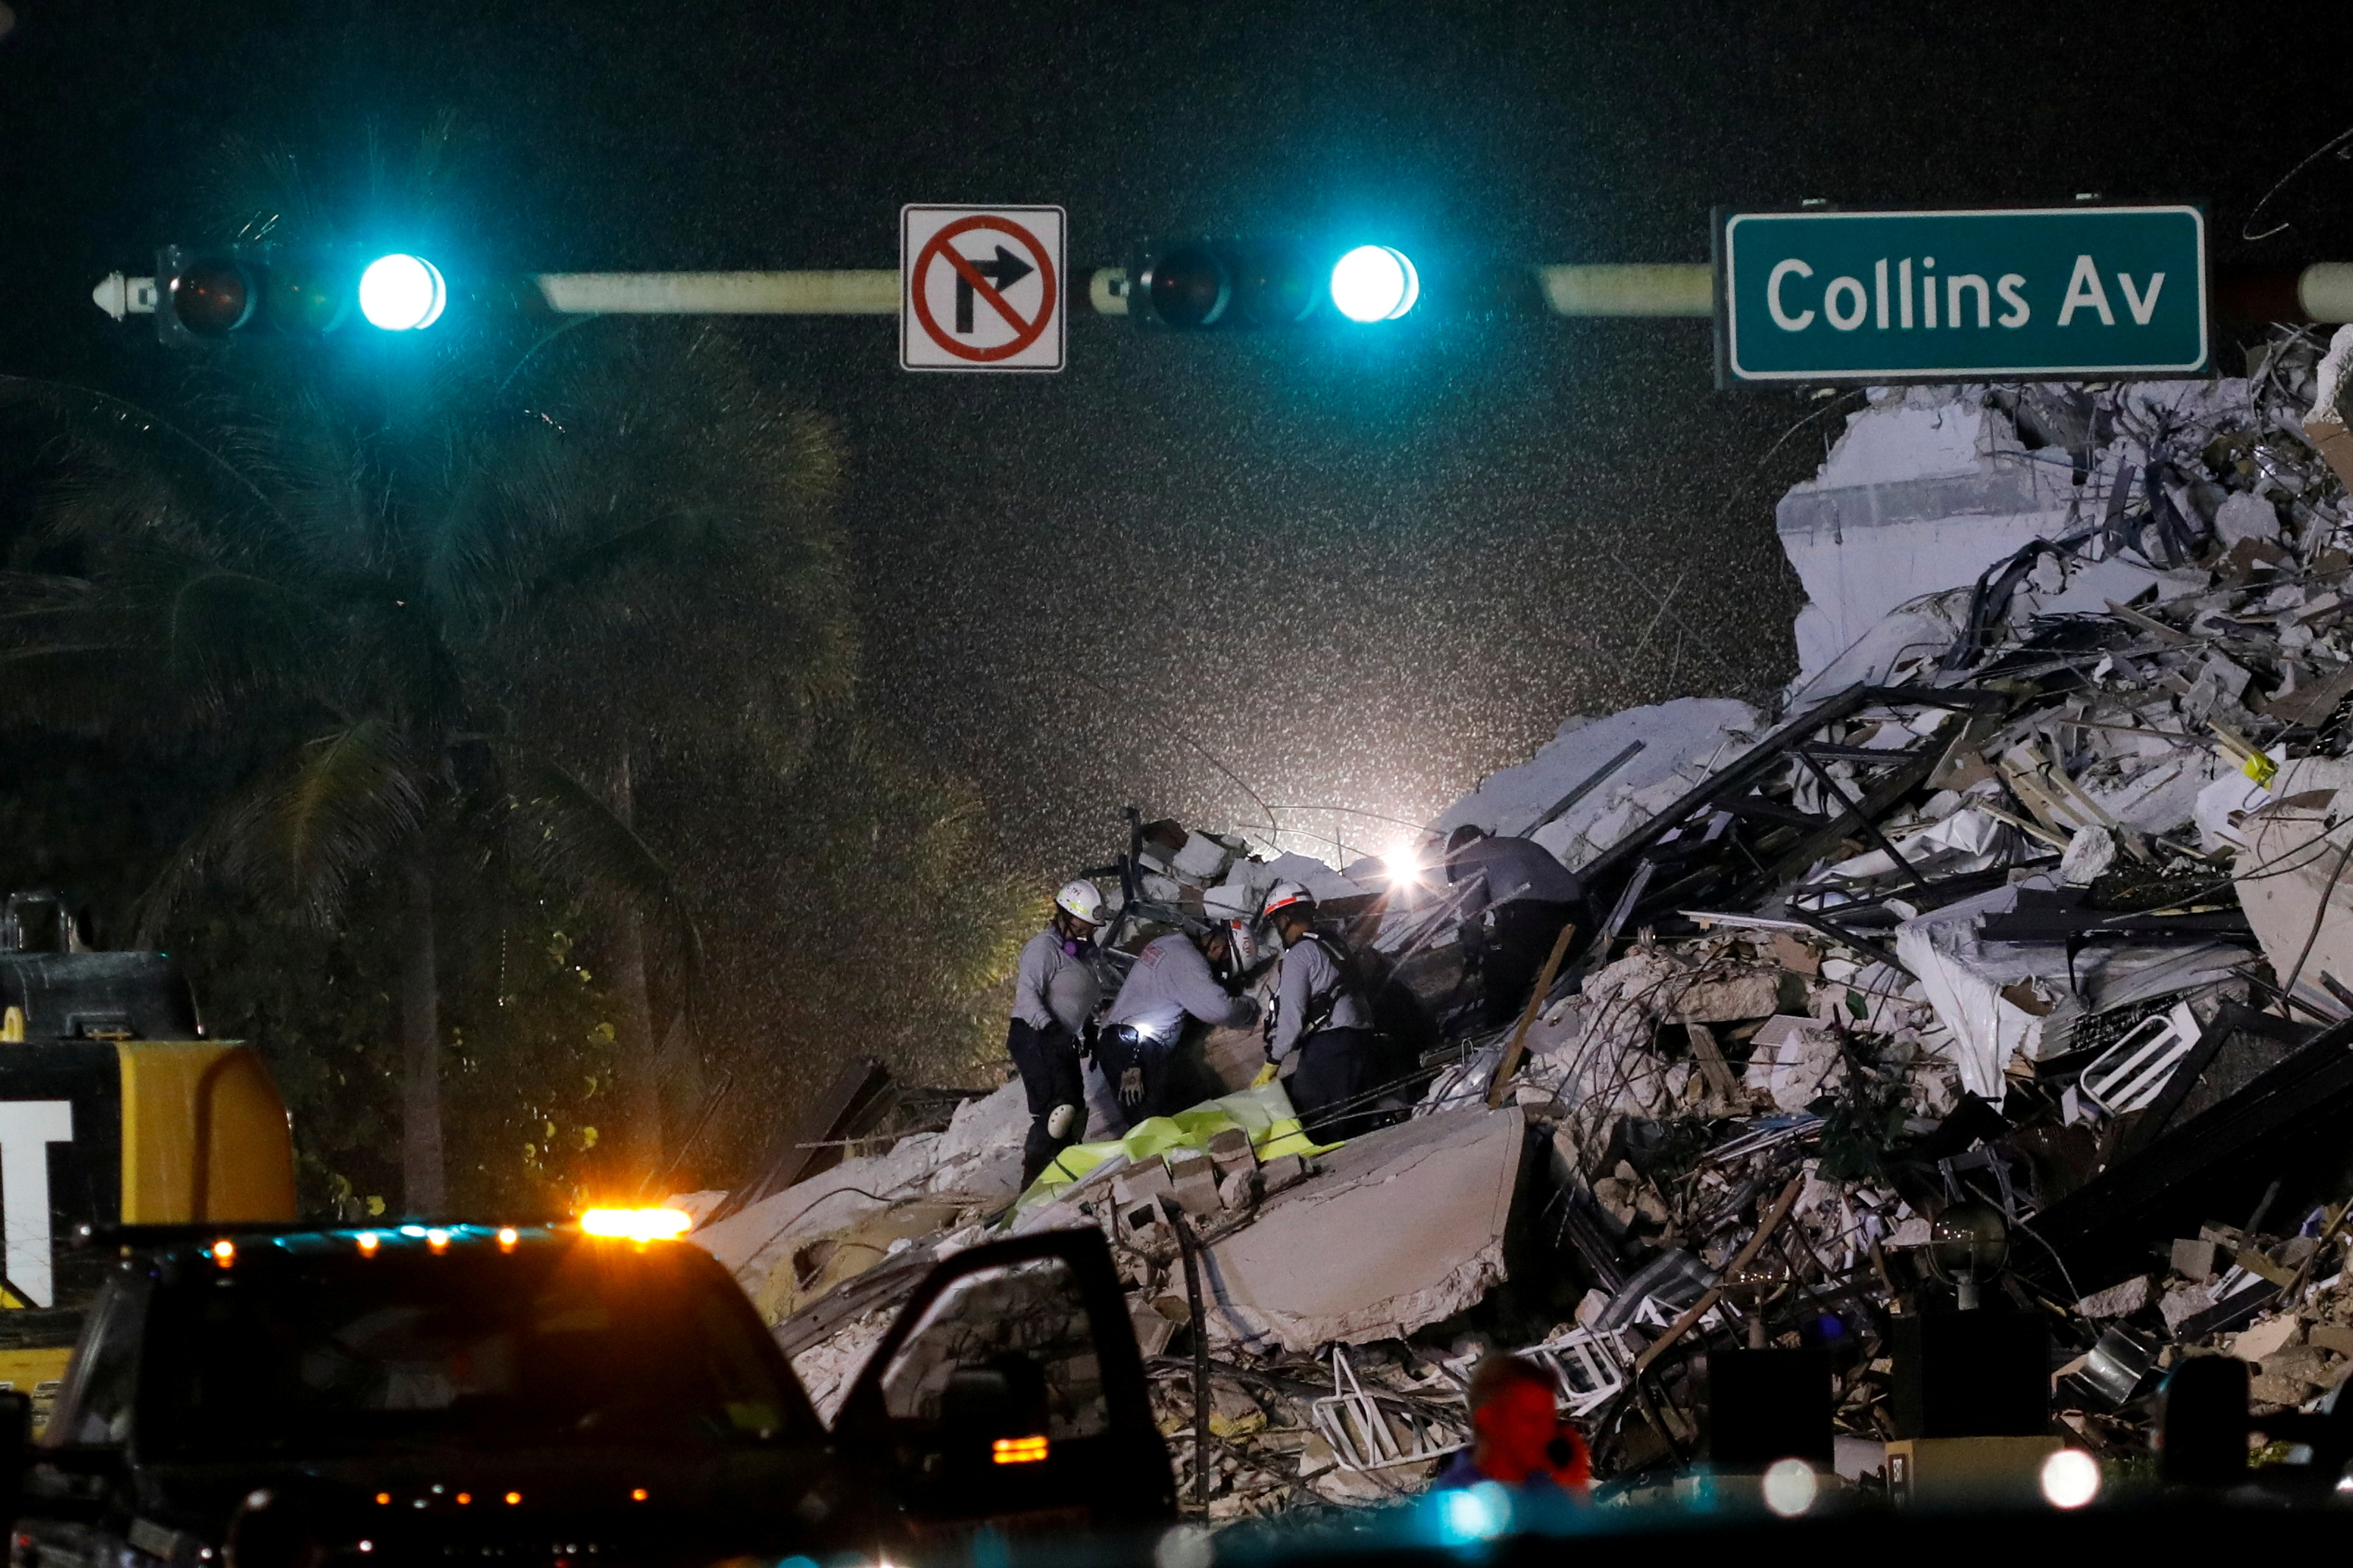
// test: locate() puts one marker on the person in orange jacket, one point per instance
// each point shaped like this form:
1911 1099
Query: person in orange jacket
1518 1439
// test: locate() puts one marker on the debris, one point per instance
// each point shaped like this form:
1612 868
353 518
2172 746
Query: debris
2267 1339
1403 1226
2118 1301
2035 892
1366 1433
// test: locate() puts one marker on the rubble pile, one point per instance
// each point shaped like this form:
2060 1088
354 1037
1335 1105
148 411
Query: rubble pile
2034 897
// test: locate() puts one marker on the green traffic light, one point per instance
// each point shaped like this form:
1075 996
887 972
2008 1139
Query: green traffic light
401 293
1375 283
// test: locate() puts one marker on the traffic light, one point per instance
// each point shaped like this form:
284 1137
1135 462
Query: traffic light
402 293
203 295
1209 285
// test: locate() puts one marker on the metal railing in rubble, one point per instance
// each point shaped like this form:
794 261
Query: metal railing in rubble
1588 1366
1368 1432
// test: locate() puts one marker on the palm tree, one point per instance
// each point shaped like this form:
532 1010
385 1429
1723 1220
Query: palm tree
733 634
397 615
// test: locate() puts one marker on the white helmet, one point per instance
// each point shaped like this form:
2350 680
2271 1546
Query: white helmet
1287 896
1081 900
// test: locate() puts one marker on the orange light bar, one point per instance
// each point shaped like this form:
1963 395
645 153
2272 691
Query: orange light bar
638 1494
637 1224
439 1240
224 1252
1018 1450
465 1498
383 1500
513 1498
508 1236
368 1242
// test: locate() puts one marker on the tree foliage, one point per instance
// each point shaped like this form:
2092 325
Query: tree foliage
377 637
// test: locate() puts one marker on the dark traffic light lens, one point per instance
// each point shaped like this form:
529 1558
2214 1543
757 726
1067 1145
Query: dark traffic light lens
1275 286
1189 287
308 296
213 299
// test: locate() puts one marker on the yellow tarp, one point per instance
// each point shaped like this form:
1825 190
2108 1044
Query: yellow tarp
1263 1112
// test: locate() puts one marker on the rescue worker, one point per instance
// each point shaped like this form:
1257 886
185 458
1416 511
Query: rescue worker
1518 1439
1173 984
1320 1015
1054 995
1527 897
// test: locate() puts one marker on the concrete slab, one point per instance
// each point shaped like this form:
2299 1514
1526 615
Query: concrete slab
1404 1226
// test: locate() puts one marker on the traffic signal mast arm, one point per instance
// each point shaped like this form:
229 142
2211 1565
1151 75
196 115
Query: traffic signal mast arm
2321 292
868 292
1568 290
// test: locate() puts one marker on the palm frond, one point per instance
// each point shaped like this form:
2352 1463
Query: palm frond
568 833
302 829
353 798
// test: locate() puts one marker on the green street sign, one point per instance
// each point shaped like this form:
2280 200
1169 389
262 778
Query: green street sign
2066 293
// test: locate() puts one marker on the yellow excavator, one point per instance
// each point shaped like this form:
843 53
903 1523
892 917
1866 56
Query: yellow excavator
115 1108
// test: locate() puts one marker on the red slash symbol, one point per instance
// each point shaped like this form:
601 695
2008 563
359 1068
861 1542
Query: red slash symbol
974 278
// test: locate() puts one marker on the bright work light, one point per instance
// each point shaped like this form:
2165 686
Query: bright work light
1375 283
402 293
637 1224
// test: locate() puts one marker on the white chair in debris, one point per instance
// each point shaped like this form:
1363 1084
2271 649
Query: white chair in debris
1366 1435
2134 1071
1588 1366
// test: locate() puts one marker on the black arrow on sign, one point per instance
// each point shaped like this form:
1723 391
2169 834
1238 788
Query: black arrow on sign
1003 271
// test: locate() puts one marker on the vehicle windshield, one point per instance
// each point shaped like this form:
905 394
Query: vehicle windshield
567 1343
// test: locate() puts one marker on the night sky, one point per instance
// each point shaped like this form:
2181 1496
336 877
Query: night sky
1359 570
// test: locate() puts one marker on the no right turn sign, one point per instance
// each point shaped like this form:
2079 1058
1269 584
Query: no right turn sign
981 289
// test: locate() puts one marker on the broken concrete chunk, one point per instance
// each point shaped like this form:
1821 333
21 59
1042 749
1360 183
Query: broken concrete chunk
2184 1302
1229 1150
2267 1338
2337 1337
1728 1001
1139 1183
2247 516
1281 1172
1239 1189
1792 1060
1404 1226
1193 1182
2308 1363
2118 1301
1153 1331
2193 1259
2089 854
2269 1388
2324 426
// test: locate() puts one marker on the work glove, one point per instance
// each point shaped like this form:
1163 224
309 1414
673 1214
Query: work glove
1131 1087
1265 1076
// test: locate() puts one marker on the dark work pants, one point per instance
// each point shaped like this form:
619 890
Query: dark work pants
1049 1064
1170 1081
1334 1067
1525 932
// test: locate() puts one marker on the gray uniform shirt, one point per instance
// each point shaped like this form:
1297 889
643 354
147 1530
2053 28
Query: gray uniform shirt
1510 868
1170 980
1309 970
1052 987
